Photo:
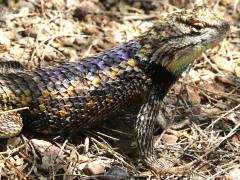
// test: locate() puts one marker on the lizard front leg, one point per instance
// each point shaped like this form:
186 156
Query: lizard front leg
148 114
144 130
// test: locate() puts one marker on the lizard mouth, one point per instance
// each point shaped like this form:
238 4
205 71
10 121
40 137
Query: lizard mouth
215 34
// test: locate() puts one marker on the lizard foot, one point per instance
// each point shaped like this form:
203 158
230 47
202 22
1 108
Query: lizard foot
10 124
163 166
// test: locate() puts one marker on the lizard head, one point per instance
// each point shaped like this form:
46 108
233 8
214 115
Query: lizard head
180 38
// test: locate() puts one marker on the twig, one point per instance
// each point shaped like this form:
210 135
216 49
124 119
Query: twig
114 153
224 170
11 151
14 110
222 116
34 160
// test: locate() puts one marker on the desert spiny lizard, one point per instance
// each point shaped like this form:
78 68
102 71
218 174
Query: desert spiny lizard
136 74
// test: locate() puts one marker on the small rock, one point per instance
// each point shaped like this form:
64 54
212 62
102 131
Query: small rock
45 148
95 167
169 139
117 173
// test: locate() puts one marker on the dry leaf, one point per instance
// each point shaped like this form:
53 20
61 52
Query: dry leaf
224 64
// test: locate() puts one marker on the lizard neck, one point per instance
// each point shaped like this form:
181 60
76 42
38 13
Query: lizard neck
162 79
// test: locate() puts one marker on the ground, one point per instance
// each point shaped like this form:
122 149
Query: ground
40 33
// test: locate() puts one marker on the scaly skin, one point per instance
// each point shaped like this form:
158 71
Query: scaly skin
77 94
136 74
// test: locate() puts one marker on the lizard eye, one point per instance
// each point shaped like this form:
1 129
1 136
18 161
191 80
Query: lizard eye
198 25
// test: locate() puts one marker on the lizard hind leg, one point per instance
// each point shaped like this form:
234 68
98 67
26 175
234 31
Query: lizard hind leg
10 124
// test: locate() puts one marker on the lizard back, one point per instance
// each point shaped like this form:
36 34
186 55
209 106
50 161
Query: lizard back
76 94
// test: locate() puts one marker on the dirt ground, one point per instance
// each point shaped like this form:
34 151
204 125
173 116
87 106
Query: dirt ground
40 33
